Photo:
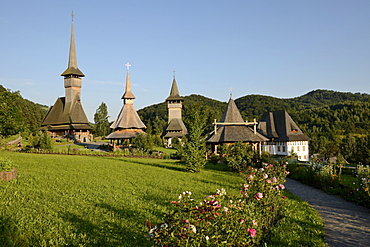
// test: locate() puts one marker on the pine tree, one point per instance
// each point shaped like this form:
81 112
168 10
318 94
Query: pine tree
101 120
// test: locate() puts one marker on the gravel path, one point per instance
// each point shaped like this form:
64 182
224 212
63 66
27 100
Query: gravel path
345 223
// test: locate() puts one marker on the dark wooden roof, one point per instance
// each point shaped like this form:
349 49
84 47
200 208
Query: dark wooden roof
72 62
235 130
174 94
125 134
128 119
279 126
176 128
62 116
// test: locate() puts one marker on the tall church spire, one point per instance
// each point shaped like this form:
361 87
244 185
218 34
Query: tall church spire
72 63
128 95
174 94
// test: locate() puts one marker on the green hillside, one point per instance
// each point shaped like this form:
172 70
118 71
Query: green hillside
337 122
18 114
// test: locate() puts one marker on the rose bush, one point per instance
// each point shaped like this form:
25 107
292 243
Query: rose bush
241 219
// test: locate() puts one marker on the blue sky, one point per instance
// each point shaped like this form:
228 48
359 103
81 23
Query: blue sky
277 48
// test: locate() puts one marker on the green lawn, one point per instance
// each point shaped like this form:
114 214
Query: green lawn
61 200
94 201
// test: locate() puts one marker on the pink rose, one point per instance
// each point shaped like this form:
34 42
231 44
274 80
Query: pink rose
268 181
281 186
259 196
274 180
252 232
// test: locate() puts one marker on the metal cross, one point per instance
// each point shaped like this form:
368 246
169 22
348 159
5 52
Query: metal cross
128 66
174 73
231 93
72 15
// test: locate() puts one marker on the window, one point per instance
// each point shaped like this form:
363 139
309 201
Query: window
284 149
298 149
278 148
303 148
293 149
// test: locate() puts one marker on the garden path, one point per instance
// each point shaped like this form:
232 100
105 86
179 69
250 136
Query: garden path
345 223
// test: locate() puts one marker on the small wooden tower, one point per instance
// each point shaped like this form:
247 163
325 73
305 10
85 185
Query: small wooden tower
66 118
128 124
175 126
232 129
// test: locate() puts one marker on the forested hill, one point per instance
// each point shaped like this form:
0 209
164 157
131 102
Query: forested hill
337 122
18 114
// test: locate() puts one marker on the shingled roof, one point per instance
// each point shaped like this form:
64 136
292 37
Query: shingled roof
60 116
176 128
174 94
234 129
279 126
128 119
72 62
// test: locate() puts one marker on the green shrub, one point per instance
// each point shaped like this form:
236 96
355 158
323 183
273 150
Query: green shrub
6 165
226 220
239 156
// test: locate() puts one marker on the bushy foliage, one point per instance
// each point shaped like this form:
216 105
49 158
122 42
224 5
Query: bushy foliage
363 176
41 140
239 156
143 142
18 114
6 165
226 220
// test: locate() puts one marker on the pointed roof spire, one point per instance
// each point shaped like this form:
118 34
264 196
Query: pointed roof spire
128 94
174 94
232 113
72 63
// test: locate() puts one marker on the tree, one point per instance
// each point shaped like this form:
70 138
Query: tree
101 121
143 142
11 120
193 150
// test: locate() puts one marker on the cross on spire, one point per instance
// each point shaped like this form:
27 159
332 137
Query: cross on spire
174 73
231 92
72 15
128 67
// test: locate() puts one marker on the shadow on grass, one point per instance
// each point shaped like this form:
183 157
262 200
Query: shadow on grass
105 233
299 226
176 166
10 236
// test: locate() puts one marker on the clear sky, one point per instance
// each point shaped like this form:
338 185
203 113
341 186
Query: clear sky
282 48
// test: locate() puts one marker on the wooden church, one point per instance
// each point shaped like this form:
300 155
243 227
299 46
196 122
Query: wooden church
175 126
232 128
128 124
66 118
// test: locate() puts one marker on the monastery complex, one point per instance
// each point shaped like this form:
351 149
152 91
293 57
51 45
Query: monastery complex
275 133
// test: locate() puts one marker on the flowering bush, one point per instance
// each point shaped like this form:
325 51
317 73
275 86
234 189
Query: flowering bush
363 175
321 176
226 220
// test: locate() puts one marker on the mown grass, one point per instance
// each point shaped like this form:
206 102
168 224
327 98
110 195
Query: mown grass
62 200
300 226
94 201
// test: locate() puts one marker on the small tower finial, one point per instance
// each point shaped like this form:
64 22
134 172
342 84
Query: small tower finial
128 67
231 92
174 73
72 15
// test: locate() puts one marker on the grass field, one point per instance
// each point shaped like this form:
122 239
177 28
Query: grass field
101 201
61 200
